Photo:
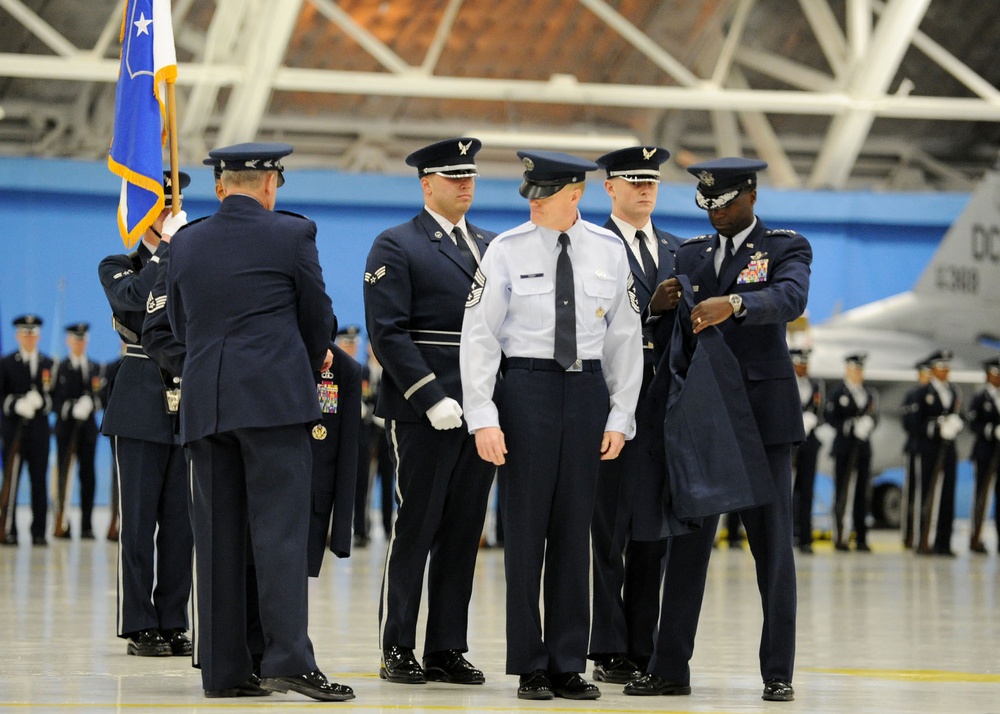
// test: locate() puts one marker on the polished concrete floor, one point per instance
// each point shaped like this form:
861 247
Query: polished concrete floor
884 632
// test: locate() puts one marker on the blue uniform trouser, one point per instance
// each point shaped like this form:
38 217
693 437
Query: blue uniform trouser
154 536
442 490
553 423
261 478
769 533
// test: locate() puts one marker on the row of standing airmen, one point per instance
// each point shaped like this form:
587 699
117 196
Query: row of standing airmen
932 419
559 424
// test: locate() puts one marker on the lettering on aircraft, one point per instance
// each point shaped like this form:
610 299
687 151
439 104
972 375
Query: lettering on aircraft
986 242
957 279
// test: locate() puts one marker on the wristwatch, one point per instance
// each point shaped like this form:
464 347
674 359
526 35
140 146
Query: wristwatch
737 302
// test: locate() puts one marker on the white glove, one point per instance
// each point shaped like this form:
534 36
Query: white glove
446 414
956 422
996 432
174 222
948 428
34 399
380 422
809 422
83 407
863 426
24 408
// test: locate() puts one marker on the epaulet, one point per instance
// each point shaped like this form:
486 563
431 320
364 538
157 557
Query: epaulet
191 223
290 213
697 239
605 233
781 232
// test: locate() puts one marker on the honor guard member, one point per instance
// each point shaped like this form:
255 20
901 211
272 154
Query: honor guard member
750 281
852 410
347 340
110 372
625 532
556 297
416 282
984 420
246 298
154 546
939 422
804 455
911 448
25 383
76 396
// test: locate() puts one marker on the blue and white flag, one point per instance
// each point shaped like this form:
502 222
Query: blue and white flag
148 63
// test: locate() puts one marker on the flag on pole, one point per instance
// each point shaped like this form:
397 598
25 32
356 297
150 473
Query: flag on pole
148 62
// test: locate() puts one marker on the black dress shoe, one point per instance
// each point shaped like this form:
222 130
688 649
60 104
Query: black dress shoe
863 548
615 668
946 552
249 688
400 666
806 548
312 684
842 547
65 535
180 643
535 685
9 539
39 541
87 535
451 666
570 685
148 643
650 685
778 690
978 548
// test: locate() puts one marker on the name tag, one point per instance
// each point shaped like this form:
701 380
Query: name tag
755 272
534 275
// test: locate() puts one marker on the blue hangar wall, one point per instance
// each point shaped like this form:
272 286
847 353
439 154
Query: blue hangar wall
58 220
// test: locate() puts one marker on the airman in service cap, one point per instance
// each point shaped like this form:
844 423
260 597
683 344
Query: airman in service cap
546 172
216 165
992 366
636 164
453 158
78 329
349 333
27 323
799 356
168 197
856 360
720 181
942 357
253 156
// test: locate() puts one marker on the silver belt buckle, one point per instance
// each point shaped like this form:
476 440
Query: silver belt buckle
575 367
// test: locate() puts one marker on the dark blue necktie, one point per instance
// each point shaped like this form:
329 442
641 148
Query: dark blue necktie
648 264
465 250
727 254
565 341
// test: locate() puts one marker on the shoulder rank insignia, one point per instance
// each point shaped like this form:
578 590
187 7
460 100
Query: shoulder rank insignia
696 239
291 213
476 292
632 299
155 303
372 278
780 232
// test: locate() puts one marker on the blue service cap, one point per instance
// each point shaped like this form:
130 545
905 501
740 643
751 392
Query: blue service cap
720 181
29 322
349 333
78 329
216 165
799 356
857 359
546 172
453 158
992 366
253 156
636 164
939 357
182 178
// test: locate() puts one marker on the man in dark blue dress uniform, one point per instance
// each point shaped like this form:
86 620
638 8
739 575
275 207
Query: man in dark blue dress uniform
25 384
76 396
750 281
852 410
984 420
627 550
246 299
154 528
416 283
937 418
911 449
804 455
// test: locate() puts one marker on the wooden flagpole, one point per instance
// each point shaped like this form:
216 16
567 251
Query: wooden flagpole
175 186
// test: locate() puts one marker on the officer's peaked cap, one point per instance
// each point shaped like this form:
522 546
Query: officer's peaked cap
857 359
720 181
546 172
183 181
454 158
992 366
216 165
29 320
939 356
78 329
636 164
253 156
799 356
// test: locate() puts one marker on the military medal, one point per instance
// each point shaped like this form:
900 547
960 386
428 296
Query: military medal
319 432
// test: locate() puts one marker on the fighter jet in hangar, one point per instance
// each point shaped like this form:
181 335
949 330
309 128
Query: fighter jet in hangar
955 304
